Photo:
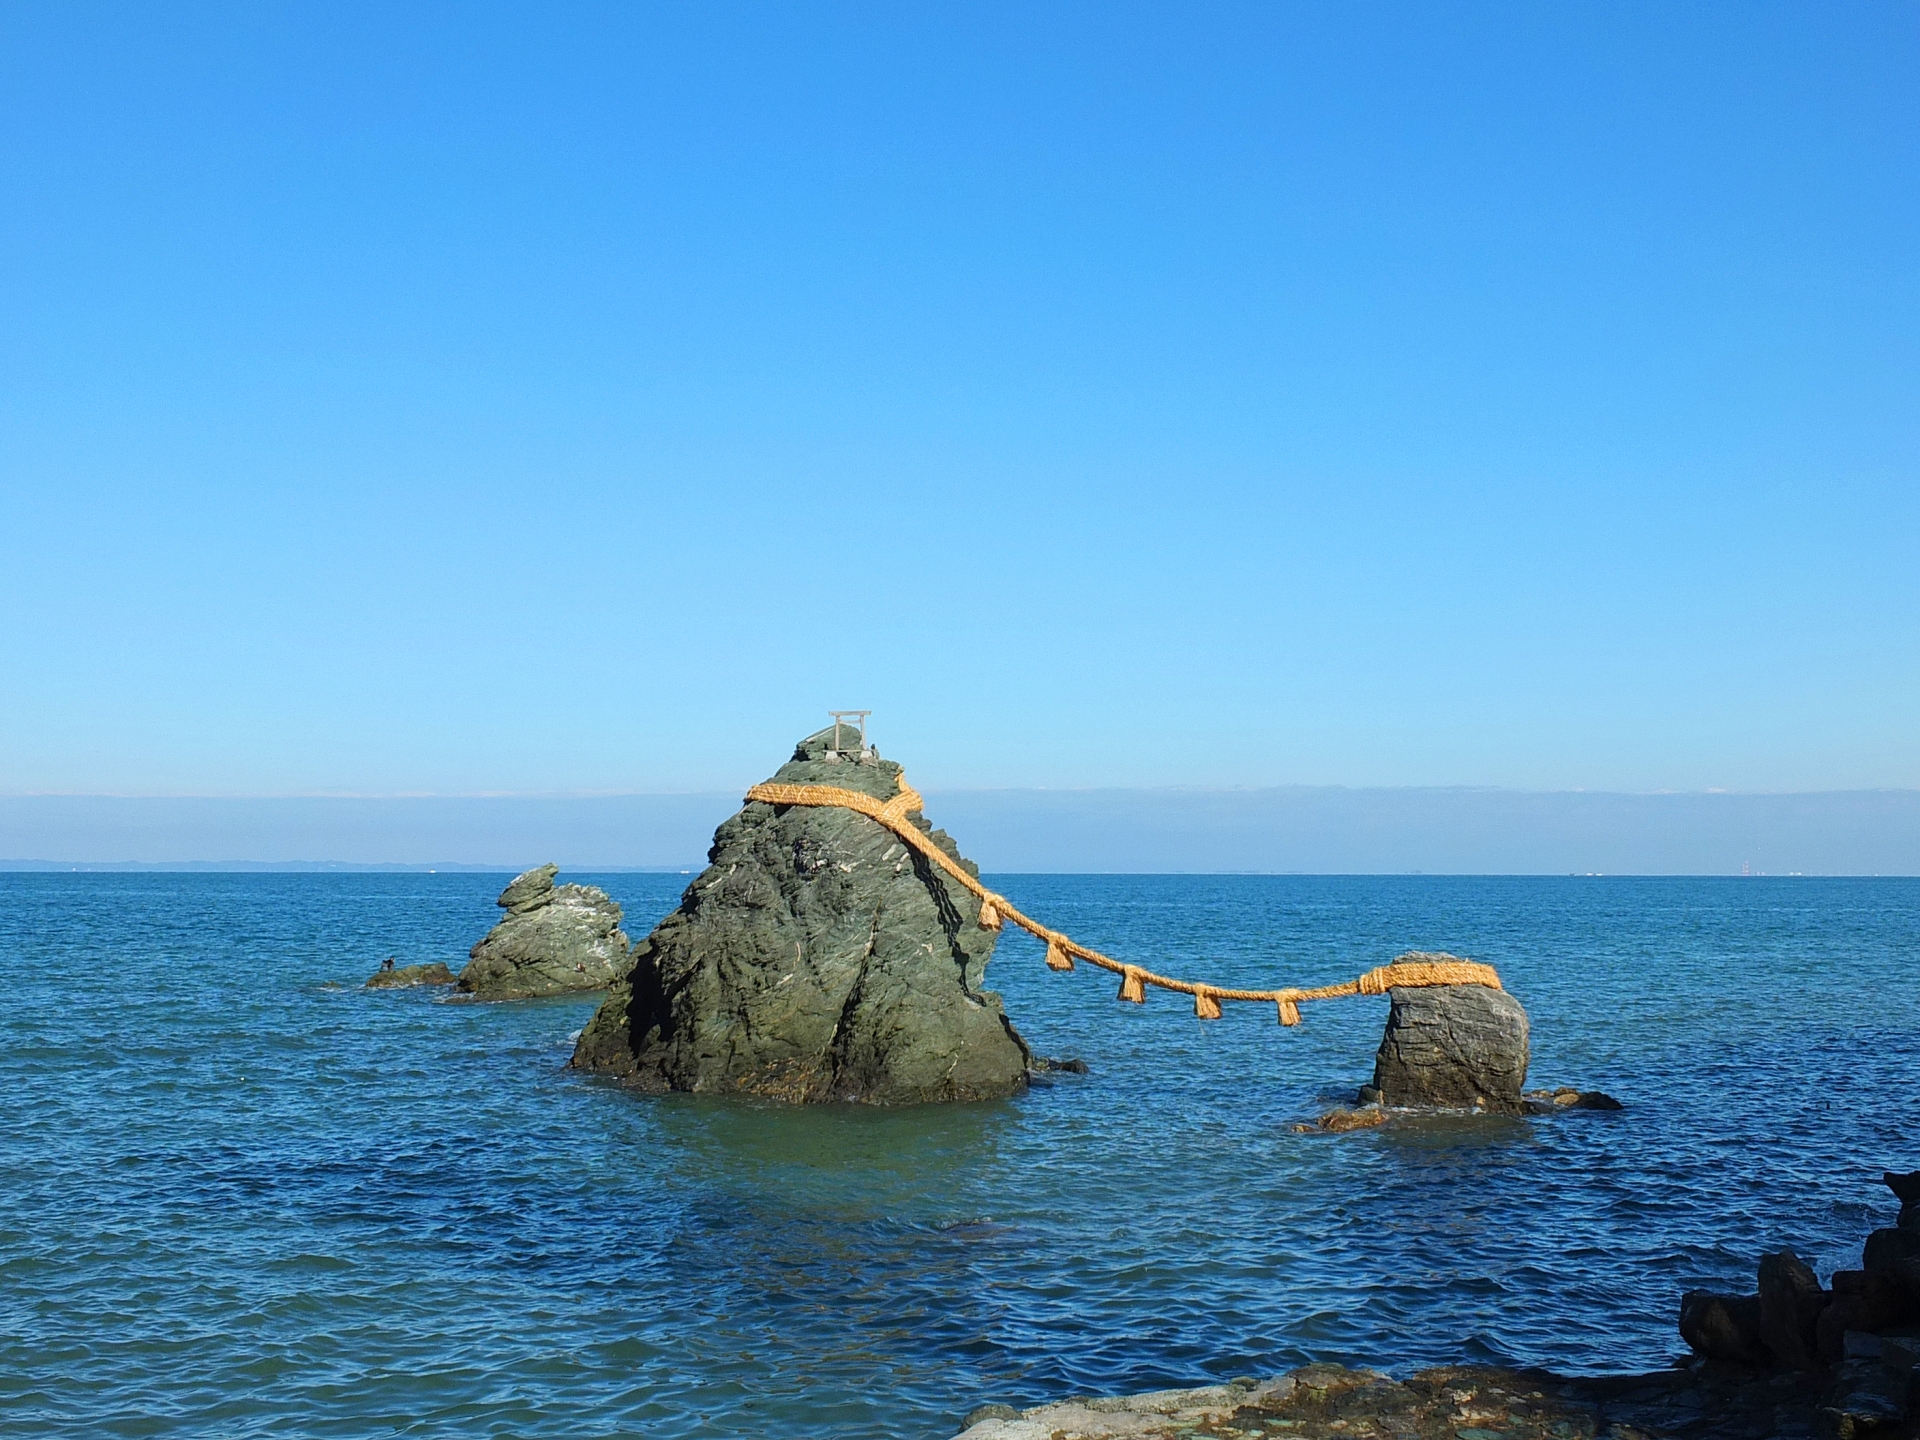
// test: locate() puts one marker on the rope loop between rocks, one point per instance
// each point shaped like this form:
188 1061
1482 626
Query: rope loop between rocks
1412 972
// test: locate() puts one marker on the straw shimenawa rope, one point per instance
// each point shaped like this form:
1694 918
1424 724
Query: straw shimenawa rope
1061 951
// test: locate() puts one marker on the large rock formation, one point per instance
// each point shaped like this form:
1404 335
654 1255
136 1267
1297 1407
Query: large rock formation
1461 1047
555 939
816 958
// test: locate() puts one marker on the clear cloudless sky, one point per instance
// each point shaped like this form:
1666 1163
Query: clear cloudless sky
472 398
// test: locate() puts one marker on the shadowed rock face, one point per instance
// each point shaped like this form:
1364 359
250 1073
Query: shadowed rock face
817 958
1790 1304
555 939
1724 1327
1906 1189
1455 1046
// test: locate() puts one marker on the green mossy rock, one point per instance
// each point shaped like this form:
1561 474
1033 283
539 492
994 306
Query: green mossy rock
817 958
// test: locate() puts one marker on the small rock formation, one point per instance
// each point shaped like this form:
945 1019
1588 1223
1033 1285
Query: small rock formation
387 978
1455 1047
1340 1120
1906 1189
817 958
1551 1102
554 940
1069 1066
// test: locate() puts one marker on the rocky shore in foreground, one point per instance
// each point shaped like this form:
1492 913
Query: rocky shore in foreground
1331 1402
1792 1360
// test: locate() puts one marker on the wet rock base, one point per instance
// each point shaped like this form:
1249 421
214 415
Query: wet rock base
1330 1402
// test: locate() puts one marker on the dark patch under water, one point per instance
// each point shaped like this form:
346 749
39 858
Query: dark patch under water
241 1196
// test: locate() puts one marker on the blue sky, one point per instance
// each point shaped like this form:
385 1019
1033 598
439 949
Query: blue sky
474 399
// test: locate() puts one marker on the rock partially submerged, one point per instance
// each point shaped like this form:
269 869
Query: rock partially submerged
555 939
817 958
1454 1047
1552 1102
1371 1115
388 978
1342 1118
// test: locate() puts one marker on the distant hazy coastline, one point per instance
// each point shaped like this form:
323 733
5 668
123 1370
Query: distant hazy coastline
1326 830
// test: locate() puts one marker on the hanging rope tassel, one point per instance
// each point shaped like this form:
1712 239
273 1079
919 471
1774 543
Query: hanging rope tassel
1414 969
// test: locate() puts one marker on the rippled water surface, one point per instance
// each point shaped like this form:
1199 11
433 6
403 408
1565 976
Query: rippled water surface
240 1195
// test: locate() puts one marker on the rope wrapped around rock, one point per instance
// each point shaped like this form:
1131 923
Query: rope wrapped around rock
1062 951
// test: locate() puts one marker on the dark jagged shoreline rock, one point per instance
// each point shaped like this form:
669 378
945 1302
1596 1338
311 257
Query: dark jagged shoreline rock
1371 1116
817 958
555 940
1858 1342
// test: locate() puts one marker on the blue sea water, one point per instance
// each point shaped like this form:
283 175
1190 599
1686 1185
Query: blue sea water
240 1195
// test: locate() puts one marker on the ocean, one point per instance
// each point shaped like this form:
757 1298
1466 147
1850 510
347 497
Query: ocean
241 1195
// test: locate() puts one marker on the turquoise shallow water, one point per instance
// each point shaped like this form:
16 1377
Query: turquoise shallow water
241 1196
